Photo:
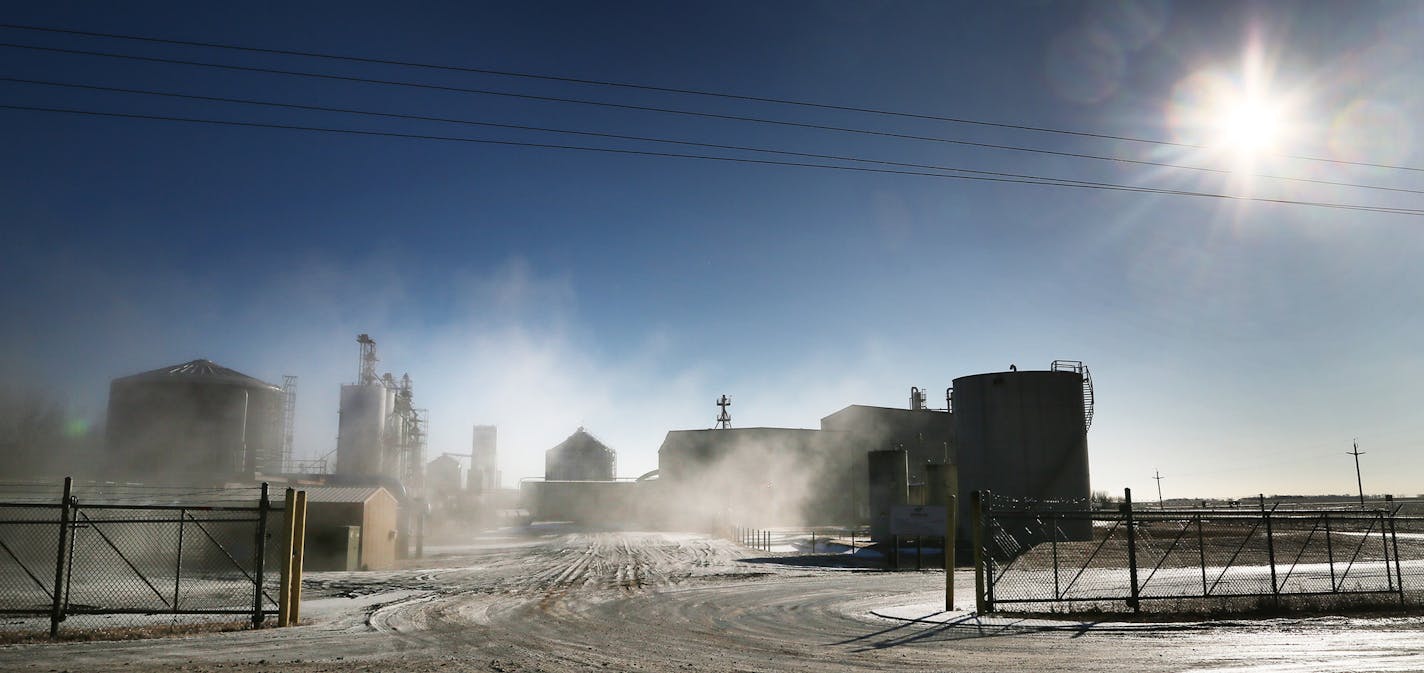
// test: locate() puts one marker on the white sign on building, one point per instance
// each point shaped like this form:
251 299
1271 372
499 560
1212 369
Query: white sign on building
918 520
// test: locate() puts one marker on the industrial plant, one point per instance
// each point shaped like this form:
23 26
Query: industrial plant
381 435
1017 434
206 425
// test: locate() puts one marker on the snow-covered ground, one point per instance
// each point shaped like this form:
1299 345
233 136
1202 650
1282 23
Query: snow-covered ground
564 600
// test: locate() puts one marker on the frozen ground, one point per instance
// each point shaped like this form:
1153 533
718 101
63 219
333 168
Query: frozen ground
566 601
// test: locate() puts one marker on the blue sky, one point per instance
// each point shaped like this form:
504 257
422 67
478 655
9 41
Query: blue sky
1237 347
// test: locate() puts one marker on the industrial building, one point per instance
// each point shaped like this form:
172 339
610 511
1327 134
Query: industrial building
194 423
483 476
351 528
926 434
380 434
581 457
1019 434
444 480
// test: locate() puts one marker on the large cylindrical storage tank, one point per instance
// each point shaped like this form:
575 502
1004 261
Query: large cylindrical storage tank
361 429
889 487
1023 434
197 422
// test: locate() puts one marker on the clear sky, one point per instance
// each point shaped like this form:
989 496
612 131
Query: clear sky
1237 346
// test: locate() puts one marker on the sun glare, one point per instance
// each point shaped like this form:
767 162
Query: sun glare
1241 115
1248 126
1241 121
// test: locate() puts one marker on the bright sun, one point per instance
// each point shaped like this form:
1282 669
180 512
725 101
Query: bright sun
1248 126
1241 118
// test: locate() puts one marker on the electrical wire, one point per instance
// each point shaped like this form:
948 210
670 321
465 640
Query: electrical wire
662 110
740 160
595 134
664 89
468 122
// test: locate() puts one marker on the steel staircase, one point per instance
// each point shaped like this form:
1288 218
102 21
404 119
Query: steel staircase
1081 369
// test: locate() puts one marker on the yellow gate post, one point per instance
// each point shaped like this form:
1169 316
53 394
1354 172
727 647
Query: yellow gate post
284 607
299 546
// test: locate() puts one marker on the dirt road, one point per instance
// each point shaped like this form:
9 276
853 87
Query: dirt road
666 602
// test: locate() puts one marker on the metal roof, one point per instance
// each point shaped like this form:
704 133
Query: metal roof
339 493
200 370
581 441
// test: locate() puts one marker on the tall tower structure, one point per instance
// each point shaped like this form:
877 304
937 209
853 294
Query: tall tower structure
289 420
484 476
381 435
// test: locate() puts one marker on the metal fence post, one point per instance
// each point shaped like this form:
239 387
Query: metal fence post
1394 541
178 564
1053 518
1131 549
976 513
56 613
1201 552
1271 555
260 546
1384 540
1329 550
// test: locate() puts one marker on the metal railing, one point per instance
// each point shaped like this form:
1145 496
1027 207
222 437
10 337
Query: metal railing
1056 558
813 540
70 557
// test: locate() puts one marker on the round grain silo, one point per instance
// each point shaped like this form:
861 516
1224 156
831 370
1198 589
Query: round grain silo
361 429
196 422
1024 434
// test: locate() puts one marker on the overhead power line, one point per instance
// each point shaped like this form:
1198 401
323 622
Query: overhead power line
662 110
740 160
615 136
665 89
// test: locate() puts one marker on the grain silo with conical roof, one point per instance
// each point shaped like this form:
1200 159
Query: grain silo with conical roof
581 457
193 423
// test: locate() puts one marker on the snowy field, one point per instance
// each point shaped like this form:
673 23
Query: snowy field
564 600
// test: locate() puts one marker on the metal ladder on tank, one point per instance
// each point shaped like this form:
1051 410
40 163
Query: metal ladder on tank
1077 367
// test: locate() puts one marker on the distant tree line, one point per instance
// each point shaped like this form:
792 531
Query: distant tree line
38 439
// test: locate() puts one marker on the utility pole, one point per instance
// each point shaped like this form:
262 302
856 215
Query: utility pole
1357 453
1158 477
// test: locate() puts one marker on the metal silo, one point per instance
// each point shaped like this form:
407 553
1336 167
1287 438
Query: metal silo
1025 434
361 429
196 422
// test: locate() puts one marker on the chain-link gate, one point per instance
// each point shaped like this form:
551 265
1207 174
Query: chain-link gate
74 558
1033 554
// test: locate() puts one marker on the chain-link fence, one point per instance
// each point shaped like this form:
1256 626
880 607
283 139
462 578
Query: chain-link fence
75 559
1048 558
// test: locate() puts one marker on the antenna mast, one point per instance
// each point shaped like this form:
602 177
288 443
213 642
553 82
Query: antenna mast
724 419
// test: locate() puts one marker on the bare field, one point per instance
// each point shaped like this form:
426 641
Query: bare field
565 601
